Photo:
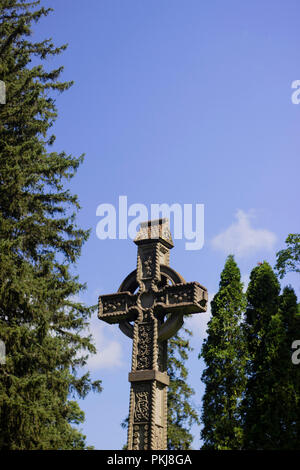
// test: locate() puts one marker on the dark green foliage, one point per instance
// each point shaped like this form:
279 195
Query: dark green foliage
271 403
181 414
225 356
42 327
289 258
290 373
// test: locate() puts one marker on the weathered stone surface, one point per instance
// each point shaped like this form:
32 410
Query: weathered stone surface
150 317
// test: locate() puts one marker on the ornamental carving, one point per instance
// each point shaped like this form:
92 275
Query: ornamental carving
148 266
144 355
141 409
180 296
140 437
182 293
108 307
161 298
136 438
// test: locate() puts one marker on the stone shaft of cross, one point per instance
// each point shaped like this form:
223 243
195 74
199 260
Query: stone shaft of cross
149 308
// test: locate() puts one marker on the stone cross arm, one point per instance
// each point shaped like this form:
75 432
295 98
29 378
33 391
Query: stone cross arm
115 308
182 299
186 298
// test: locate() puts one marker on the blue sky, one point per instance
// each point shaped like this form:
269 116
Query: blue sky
177 102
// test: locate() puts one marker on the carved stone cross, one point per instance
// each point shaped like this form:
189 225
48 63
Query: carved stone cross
149 307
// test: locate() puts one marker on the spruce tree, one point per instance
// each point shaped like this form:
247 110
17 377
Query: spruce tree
181 412
41 324
224 353
271 396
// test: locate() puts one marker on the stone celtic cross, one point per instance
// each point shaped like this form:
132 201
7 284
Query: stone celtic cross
149 307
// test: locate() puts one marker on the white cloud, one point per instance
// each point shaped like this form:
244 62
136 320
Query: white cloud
241 239
109 351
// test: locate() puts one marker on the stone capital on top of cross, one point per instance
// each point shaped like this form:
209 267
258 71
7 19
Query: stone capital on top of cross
155 230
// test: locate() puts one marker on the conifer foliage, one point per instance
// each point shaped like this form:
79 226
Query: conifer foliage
225 356
40 324
252 386
272 401
288 259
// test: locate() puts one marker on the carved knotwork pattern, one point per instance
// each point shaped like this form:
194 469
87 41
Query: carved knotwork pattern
142 234
147 315
111 306
181 296
142 406
161 298
148 266
144 357
149 232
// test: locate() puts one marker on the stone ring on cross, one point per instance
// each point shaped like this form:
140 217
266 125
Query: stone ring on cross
169 277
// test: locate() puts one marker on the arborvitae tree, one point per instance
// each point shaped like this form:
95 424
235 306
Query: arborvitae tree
270 393
40 324
225 356
289 372
181 413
